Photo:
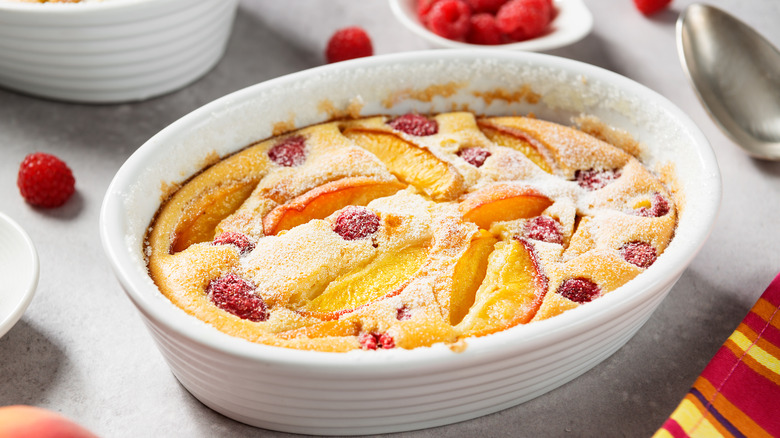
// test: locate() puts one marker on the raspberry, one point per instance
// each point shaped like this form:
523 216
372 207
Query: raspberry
544 228
449 19
659 206
45 181
484 30
372 341
592 179
356 223
474 156
423 9
348 43
290 152
241 242
524 19
414 124
233 294
650 7
641 254
579 290
403 313
489 6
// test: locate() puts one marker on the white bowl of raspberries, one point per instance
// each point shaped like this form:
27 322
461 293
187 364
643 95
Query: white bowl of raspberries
532 25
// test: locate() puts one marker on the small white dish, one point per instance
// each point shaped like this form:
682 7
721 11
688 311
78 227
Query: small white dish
572 23
19 269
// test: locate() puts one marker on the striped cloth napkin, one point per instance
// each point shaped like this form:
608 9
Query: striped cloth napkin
738 393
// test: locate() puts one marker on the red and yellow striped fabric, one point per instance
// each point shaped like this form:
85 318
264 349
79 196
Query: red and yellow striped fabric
738 393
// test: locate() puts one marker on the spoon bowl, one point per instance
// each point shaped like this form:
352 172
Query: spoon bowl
736 74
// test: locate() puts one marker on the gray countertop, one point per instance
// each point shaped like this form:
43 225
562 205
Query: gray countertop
82 349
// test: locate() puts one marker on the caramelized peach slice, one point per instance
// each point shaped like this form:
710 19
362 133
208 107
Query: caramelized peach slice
323 329
192 214
469 273
380 278
511 292
320 202
201 216
411 164
514 140
503 202
569 148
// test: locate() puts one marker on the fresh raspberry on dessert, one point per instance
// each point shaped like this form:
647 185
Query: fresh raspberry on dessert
233 294
659 207
641 254
484 30
474 156
579 290
240 240
356 223
290 152
414 124
524 19
649 7
489 6
45 181
449 19
593 179
544 228
403 313
348 43
373 341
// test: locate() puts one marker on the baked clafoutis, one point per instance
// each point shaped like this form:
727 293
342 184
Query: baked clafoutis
407 231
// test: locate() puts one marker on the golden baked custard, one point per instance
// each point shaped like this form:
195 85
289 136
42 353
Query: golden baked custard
408 231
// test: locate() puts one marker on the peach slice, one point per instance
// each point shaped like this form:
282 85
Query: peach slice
192 214
514 140
320 202
503 202
412 164
511 292
31 421
382 277
323 329
201 216
469 273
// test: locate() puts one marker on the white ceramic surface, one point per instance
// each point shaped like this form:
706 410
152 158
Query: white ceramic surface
19 271
363 392
112 51
572 23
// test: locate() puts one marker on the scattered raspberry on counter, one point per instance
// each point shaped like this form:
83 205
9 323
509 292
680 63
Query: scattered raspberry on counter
45 181
650 7
348 43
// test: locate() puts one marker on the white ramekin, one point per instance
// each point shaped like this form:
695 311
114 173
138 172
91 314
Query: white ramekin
110 51
363 392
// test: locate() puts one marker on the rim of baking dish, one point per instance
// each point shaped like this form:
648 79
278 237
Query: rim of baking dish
693 229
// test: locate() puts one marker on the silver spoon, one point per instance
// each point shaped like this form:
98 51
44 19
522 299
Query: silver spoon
736 74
